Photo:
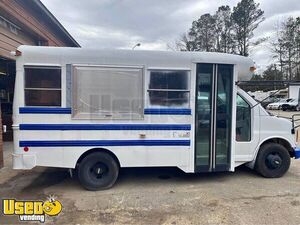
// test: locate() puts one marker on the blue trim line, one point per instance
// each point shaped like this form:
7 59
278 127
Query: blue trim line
46 110
77 143
105 127
149 111
168 111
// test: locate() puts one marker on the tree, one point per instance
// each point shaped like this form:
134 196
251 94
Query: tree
246 17
286 48
224 40
184 43
297 48
224 31
202 33
209 33
288 43
272 73
277 48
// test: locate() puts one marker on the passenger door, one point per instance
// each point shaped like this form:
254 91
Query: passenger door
247 128
214 89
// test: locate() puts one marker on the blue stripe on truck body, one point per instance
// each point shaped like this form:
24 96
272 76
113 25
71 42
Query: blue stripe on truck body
58 110
78 143
105 127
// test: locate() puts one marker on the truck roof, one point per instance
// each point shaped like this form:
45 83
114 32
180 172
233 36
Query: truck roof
148 58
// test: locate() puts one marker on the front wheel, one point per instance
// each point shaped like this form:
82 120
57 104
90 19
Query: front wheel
98 171
272 161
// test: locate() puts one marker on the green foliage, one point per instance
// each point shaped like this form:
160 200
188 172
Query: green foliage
246 17
272 73
225 31
286 48
202 33
231 31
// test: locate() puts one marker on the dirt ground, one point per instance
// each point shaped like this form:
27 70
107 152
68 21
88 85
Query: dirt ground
160 196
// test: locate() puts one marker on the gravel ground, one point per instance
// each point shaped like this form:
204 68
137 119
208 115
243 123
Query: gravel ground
161 196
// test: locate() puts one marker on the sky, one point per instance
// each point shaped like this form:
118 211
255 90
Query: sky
156 24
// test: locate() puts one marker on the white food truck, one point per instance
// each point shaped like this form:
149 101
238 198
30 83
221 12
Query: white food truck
99 110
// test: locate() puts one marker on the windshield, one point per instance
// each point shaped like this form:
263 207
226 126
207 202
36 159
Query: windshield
282 100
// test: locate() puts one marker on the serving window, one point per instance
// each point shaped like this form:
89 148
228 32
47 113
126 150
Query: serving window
42 86
107 92
169 88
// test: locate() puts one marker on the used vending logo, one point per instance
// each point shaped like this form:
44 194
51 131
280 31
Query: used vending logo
31 210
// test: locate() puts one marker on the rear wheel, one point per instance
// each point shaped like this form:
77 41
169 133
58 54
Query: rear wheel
98 171
272 161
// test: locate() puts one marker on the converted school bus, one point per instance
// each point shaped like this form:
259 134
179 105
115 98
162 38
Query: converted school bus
98 110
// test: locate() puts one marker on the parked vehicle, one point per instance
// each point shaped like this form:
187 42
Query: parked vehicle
291 105
97 111
268 101
278 105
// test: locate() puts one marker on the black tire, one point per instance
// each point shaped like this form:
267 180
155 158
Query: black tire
273 160
284 108
98 171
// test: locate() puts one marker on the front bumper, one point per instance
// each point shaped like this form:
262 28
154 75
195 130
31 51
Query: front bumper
297 152
23 161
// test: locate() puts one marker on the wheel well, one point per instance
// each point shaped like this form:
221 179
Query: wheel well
97 150
282 142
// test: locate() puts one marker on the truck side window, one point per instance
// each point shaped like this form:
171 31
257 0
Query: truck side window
107 92
42 86
169 88
243 120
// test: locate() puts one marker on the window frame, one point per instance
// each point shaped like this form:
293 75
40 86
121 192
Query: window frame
87 116
42 66
250 127
189 72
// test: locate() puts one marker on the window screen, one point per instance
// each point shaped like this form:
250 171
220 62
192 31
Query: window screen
169 88
42 86
107 92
